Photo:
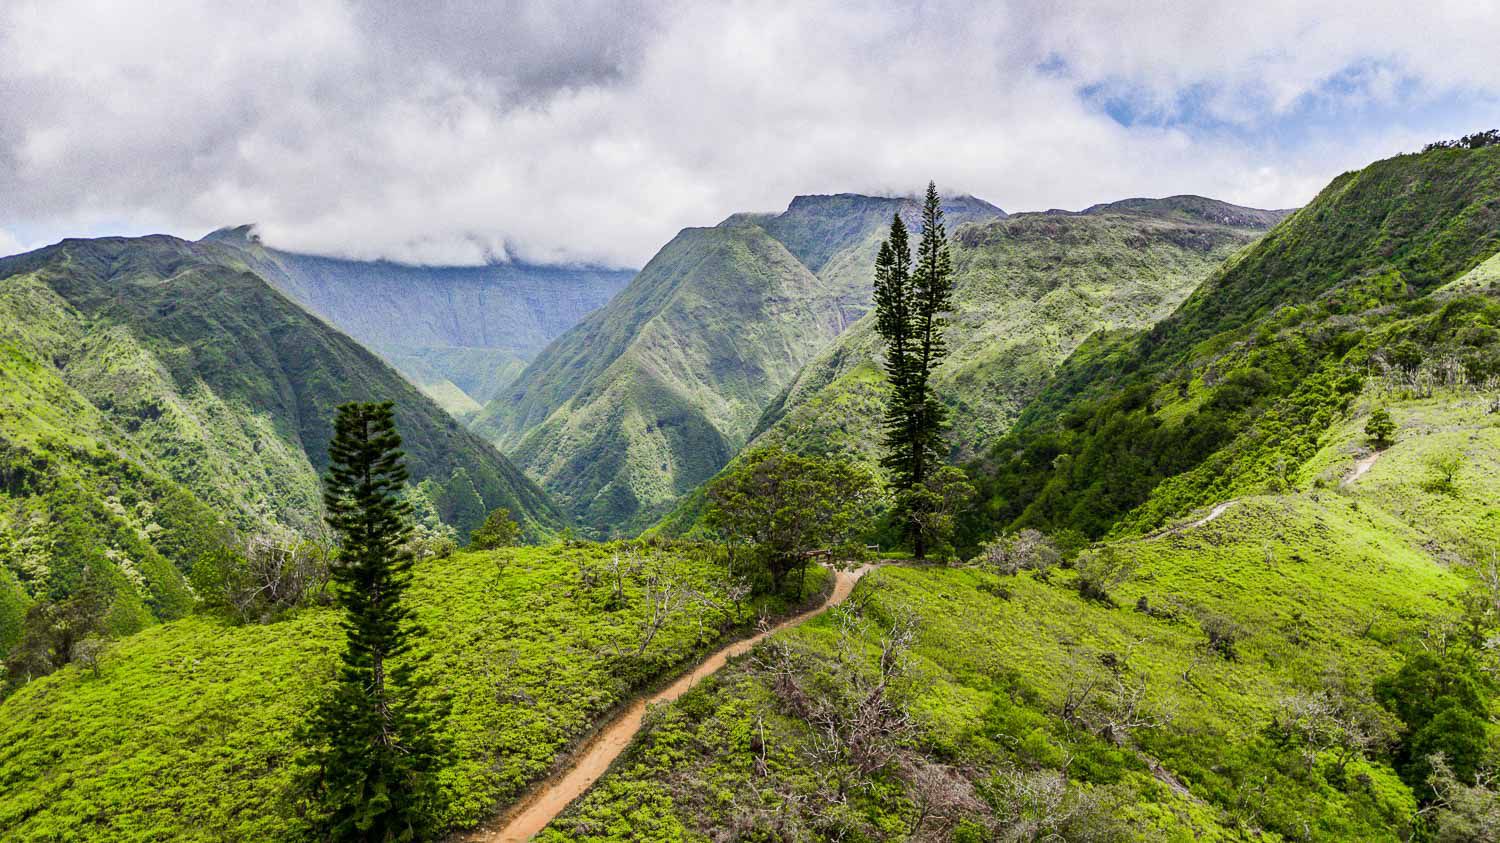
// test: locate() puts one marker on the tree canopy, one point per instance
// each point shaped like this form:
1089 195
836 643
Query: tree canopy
498 530
784 505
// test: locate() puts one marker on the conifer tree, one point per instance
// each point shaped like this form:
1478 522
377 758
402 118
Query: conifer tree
932 296
910 299
892 298
376 756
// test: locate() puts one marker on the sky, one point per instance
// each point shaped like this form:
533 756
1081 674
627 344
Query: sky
591 132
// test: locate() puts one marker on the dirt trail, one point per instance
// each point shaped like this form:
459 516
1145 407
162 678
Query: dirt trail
1363 465
549 797
1213 514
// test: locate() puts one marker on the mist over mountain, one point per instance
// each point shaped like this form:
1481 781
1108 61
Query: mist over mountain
461 333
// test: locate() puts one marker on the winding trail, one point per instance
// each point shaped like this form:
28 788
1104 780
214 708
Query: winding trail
550 796
1213 515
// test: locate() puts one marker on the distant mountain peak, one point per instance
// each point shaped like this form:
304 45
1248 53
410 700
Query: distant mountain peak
233 234
955 202
1194 208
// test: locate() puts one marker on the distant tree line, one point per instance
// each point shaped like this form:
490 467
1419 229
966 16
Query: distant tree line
1477 140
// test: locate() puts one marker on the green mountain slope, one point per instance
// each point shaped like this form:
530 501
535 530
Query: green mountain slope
460 333
1029 289
836 236
1231 392
153 394
1226 681
649 396
1037 710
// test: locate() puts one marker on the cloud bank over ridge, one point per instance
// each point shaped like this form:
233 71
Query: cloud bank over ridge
469 131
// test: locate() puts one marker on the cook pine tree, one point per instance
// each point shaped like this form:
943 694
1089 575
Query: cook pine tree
373 736
911 296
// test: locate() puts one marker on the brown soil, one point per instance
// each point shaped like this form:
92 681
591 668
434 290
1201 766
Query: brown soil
1363 465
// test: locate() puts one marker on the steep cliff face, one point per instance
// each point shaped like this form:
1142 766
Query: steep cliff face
461 333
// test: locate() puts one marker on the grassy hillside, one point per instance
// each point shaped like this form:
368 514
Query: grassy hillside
1028 290
651 395
1165 713
1229 394
189 730
156 399
460 333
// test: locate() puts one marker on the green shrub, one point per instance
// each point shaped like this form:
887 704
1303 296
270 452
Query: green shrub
1380 428
498 530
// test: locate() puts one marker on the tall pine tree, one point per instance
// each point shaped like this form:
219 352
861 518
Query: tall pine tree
893 322
375 751
910 300
932 296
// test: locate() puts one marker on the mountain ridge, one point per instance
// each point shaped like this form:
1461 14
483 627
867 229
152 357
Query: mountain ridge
1029 288
1265 350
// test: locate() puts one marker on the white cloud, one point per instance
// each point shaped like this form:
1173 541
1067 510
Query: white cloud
470 131
9 244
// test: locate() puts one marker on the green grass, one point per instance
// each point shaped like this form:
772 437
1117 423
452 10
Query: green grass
1319 581
189 730
1462 520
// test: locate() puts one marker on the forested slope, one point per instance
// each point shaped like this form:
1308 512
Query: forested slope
1231 392
1028 290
